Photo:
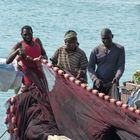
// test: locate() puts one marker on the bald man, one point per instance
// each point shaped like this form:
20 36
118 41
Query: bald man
106 62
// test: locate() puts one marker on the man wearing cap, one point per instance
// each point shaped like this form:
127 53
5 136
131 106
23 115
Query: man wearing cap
106 62
70 58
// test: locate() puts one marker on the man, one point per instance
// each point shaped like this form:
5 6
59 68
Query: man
71 58
26 52
106 62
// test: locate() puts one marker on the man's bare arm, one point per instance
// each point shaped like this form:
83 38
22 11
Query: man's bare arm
43 52
13 54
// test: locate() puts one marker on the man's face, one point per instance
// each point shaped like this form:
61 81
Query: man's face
71 44
27 35
106 39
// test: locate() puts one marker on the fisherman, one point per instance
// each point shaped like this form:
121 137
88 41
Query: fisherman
106 63
26 52
70 58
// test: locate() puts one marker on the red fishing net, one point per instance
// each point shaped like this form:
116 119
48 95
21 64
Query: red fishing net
69 110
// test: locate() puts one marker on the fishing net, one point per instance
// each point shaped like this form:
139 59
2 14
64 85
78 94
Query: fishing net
69 110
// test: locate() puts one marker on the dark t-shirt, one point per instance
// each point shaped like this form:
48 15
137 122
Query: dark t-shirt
105 63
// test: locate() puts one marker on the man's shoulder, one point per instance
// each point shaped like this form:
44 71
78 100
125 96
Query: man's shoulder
79 50
62 47
36 39
118 45
17 45
98 47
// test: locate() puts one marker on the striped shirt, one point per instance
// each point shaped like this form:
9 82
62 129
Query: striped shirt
71 61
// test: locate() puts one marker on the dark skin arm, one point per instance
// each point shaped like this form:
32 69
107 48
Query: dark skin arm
15 51
43 53
54 59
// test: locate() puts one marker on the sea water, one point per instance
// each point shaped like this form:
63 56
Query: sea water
50 19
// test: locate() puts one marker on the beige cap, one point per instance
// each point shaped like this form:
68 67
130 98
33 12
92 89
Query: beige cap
70 34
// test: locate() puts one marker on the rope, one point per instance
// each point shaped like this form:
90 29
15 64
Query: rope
3 133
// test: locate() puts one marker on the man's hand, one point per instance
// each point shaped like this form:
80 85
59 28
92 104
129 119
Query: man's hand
54 62
98 83
40 59
37 59
80 74
21 52
115 80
